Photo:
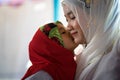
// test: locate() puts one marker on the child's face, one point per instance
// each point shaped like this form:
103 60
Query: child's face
67 38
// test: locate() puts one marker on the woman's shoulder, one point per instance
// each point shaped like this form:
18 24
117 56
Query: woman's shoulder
108 68
118 47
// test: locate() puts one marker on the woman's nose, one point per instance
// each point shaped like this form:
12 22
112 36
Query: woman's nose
69 27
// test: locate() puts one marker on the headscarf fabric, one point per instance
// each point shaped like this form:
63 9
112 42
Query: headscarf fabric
51 30
99 21
46 54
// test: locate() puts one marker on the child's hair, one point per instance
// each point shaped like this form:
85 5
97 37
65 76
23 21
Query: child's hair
52 32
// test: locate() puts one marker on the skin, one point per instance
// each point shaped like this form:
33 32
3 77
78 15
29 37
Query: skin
67 38
73 26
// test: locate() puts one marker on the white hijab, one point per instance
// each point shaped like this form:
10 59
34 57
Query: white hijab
100 22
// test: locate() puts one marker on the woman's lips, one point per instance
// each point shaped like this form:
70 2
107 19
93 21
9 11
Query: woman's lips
73 33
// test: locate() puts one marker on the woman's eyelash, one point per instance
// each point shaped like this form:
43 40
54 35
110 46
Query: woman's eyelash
67 20
73 18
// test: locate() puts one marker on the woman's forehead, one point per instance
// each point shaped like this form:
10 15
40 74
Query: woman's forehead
66 9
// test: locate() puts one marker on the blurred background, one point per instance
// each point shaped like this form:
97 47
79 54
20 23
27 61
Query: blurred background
19 20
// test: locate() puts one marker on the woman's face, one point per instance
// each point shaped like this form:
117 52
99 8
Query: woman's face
73 26
67 38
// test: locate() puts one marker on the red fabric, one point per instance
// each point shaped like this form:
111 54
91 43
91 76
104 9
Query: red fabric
49 56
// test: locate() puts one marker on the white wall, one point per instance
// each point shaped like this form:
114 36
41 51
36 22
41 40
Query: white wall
61 15
17 27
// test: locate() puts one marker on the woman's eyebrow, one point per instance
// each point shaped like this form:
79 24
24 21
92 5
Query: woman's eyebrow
70 12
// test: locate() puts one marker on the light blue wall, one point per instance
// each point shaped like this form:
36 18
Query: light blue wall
56 9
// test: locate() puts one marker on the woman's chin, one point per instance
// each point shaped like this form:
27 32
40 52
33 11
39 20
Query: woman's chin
77 41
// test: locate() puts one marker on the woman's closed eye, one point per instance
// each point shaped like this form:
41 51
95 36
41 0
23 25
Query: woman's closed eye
72 17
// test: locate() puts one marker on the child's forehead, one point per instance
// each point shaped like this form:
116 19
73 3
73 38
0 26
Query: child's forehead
51 30
60 26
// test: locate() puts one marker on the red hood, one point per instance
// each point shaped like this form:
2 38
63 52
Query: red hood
49 56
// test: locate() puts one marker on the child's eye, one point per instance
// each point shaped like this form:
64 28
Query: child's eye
63 32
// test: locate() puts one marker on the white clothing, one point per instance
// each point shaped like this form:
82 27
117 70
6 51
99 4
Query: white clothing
100 23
